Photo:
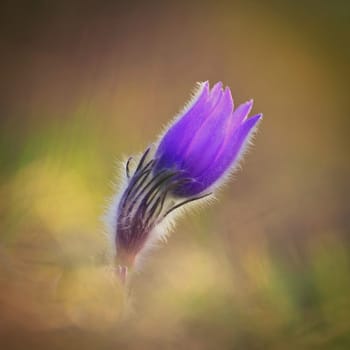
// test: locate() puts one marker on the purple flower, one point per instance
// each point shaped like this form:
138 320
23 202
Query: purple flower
207 140
199 150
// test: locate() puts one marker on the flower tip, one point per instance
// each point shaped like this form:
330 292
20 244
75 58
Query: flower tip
204 83
203 88
250 102
256 118
217 86
228 98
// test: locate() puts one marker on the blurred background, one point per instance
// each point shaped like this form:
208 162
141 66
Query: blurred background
85 83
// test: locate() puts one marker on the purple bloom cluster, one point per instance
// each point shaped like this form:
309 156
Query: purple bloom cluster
194 155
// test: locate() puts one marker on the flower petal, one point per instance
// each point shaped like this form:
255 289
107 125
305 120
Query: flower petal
206 142
241 112
224 160
179 136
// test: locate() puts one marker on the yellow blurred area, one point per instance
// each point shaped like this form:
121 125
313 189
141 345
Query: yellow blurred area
55 197
57 262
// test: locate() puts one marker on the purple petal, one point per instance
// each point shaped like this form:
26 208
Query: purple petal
180 135
242 112
206 142
224 160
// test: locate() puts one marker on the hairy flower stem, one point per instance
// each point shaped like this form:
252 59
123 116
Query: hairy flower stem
196 154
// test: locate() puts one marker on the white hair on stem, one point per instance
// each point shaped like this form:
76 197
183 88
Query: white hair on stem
162 229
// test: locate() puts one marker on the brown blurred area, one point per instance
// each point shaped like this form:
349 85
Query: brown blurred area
85 83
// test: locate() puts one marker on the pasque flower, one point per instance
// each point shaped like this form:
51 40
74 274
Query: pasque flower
202 146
